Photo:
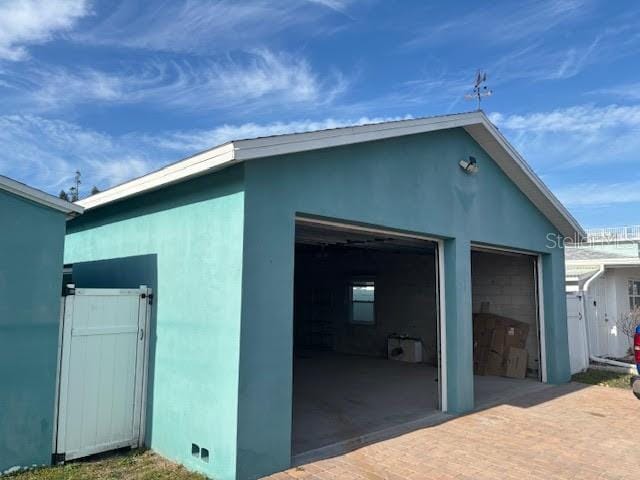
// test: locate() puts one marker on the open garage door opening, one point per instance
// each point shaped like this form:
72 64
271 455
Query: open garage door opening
366 334
506 326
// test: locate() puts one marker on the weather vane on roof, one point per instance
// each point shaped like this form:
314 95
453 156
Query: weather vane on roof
479 90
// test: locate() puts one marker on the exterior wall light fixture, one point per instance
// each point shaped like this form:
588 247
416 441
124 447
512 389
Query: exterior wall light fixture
469 166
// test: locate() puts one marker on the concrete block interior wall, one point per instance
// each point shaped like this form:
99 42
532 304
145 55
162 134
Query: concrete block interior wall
405 289
504 284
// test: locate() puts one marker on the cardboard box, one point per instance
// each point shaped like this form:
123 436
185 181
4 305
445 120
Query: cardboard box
516 363
480 355
495 363
516 335
493 338
498 340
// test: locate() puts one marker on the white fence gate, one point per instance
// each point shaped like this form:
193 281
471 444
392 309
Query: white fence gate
577 334
600 324
103 366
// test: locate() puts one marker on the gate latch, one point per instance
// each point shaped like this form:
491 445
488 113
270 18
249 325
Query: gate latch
150 296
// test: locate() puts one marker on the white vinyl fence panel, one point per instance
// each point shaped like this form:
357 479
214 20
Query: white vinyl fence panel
599 319
102 371
577 334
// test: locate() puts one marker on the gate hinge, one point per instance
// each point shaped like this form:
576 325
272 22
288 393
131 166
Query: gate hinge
58 458
150 296
69 289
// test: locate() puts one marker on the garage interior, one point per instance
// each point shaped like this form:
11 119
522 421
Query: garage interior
365 334
505 322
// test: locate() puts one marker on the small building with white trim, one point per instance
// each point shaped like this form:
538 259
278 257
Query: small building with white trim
603 286
31 250
317 290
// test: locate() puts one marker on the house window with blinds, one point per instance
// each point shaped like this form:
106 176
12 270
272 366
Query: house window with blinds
634 294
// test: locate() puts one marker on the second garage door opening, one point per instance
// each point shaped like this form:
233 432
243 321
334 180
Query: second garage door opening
506 332
365 333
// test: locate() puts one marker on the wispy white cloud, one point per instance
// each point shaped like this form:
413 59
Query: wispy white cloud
203 26
536 62
557 56
565 138
195 140
29 22
588 154
251 80
117 169
600 194
337 5
528 42
581 119
46 87
624 92
45 153
525 65
575 60
502 23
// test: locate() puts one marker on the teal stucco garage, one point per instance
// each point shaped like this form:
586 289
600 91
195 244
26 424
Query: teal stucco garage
31 252
237 244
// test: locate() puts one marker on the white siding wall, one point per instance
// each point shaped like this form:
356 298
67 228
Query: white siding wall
618 303
611 297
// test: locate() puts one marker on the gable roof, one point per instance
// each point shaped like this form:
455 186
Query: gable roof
475 123
572 254
579 273
38 196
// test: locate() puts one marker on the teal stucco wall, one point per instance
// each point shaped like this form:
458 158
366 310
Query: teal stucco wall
31 248
219 252
186 243
412 184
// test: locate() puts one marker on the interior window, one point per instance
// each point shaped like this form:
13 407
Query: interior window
363 297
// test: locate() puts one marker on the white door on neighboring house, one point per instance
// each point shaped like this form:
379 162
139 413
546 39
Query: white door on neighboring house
576 333
103 361
599 321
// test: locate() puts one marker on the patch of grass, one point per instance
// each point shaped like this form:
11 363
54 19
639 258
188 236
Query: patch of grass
603 378
132 465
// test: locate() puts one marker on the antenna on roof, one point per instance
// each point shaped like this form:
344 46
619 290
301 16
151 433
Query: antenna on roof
479 90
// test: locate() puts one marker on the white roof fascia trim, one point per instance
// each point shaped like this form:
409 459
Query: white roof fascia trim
513 153
604 261
199 164
298 142
585 276
621 265
20 189
243 150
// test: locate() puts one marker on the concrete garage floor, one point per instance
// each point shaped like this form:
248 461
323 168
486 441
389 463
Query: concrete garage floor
347 400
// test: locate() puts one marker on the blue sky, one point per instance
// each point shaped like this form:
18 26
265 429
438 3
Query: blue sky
118 88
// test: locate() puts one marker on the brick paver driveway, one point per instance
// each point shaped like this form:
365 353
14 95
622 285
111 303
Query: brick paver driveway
566 432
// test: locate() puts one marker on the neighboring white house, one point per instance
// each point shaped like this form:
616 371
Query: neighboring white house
603 285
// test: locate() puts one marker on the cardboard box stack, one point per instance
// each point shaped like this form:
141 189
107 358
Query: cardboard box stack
499 346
